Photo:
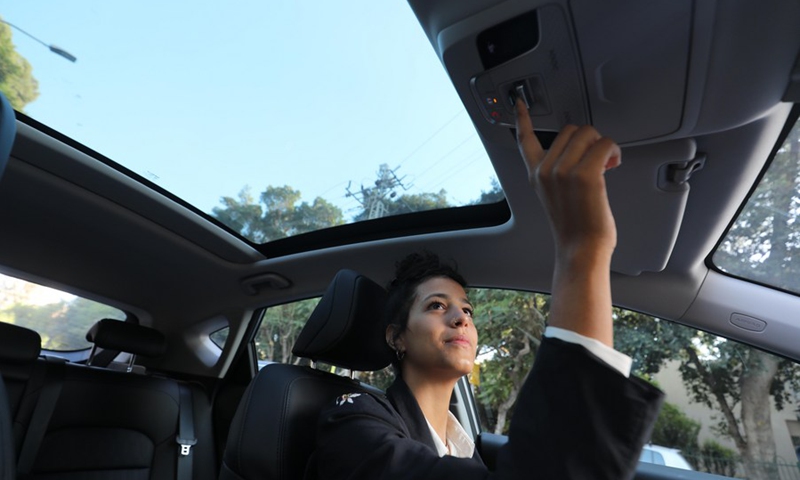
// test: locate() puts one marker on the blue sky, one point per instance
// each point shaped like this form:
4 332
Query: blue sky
204 97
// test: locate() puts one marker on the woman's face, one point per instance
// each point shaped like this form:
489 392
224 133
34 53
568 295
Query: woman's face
440 339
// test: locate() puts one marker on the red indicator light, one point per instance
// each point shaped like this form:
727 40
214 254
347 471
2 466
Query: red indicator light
495 115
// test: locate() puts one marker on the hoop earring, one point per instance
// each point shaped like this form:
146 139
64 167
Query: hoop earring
400 355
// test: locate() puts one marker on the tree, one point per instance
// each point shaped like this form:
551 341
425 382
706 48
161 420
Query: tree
279 330
277 213
763 242
16 75
510 324
494 195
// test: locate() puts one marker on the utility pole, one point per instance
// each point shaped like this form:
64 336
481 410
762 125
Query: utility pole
373 199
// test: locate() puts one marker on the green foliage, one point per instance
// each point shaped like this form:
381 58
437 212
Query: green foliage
277 213
493 195
510 325
714 458
675 429
16 75
763 243
279 330
650 342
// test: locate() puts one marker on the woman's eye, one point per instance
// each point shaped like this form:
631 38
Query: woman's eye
468 311
437 306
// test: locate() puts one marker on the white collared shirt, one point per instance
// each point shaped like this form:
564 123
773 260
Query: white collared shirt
614 359
459 444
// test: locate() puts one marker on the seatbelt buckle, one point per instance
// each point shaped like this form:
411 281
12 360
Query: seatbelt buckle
186 445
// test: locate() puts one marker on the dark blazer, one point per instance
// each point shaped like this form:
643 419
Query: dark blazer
575 418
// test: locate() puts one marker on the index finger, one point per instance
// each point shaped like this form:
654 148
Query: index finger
529 145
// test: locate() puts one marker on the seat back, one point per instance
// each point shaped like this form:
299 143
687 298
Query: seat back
19 349
273 433
107 424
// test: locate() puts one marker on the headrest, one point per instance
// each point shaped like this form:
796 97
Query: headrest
8 130
127 337
347 329
18 344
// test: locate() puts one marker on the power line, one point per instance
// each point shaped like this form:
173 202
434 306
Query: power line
427 140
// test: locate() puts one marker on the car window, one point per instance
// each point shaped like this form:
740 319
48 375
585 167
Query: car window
730 409
649 456
762 242
278 331
61 319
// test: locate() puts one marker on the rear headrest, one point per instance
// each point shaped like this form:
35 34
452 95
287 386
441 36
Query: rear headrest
127 337
346 329
8 130
18 344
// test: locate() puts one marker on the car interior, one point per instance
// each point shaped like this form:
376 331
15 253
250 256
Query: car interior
699 94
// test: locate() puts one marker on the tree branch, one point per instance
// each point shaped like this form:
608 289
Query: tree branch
719 394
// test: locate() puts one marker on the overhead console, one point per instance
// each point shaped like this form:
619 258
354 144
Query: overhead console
636 70
586 77
531 56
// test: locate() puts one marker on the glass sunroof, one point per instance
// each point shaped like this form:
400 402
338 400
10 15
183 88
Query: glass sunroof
764 241
275 117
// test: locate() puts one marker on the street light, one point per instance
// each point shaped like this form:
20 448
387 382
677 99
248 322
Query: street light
53 48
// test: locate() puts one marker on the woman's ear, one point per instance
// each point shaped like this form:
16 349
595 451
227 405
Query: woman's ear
393 339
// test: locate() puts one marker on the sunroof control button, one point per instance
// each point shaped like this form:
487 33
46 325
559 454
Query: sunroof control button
519 91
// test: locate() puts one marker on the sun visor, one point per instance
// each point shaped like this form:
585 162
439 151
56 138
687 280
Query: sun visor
635 203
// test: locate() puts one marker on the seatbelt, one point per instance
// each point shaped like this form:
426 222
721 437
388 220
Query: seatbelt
185 438
48 397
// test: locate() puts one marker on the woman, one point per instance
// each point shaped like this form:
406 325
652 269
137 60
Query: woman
579 415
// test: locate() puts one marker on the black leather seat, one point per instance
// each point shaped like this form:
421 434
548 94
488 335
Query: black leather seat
107 424
272 435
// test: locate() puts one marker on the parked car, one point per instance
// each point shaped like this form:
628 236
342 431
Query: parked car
203 172
671 457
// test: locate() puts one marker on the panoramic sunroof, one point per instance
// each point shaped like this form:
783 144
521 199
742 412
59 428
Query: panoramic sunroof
763 243
277 118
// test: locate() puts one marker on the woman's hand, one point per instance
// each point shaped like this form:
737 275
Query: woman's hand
569 179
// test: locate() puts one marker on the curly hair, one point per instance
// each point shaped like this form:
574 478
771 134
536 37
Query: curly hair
410 272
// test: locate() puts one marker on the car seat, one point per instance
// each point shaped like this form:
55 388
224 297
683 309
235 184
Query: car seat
273 433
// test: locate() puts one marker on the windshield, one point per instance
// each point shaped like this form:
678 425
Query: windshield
276 118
